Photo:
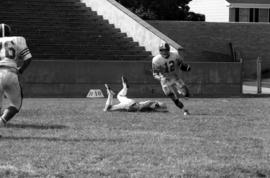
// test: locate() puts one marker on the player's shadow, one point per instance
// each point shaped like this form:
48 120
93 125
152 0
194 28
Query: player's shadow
58 139
35 126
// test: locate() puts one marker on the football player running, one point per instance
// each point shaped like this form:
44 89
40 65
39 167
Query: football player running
130 105
166 68
13 51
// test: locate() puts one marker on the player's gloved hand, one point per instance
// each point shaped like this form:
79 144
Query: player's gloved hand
185 67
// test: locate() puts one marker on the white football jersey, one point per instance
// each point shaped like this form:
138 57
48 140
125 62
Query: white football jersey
13 50
170 66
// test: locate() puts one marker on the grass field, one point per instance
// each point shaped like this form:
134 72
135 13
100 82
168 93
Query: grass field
224 137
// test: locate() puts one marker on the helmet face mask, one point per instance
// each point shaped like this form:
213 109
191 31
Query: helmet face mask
5 30
164 50
164 53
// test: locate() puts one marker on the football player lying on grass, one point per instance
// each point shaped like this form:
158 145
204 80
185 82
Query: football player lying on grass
130 105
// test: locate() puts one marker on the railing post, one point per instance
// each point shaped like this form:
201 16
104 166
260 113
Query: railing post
259 76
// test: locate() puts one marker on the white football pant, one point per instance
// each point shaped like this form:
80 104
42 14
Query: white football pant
10 87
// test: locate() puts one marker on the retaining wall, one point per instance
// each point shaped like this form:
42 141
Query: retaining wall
76 78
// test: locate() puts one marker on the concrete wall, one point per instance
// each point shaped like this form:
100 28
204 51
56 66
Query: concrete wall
210 41
129 23
76 78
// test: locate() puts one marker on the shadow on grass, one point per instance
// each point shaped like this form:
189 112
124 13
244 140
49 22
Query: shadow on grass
35 126
57 139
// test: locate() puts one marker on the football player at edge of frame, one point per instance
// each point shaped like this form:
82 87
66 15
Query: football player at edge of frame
13 51
166 68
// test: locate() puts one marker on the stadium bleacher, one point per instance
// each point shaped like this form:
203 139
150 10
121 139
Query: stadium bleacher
67 29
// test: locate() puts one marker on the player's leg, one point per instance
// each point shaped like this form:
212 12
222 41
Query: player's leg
109 101
122 94
2 73
161 107
122 106
125 103
13 92
152 106
169 91
1 98
182 88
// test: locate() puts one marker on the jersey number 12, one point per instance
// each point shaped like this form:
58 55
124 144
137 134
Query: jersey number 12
169 66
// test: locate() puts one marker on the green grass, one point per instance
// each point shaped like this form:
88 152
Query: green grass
75 138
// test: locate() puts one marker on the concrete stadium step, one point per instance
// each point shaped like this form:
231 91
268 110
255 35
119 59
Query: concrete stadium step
72 25
49 13
41 2
125 46
34 20
32 7
80 37
51 29
43 8
89 34
29 2
58 25
40 9
121 43
72 52
70 34
67 29
86 41
90 50
71 43
95 34
91 57
63 21
41 15
63 1
76 26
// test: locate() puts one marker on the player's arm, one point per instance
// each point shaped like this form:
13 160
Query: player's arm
25 55
24 65
156 71
183 66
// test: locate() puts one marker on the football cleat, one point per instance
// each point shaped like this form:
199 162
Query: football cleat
5 30
186 112
125 81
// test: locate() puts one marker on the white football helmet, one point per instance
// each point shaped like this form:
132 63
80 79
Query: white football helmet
164 50
5 30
